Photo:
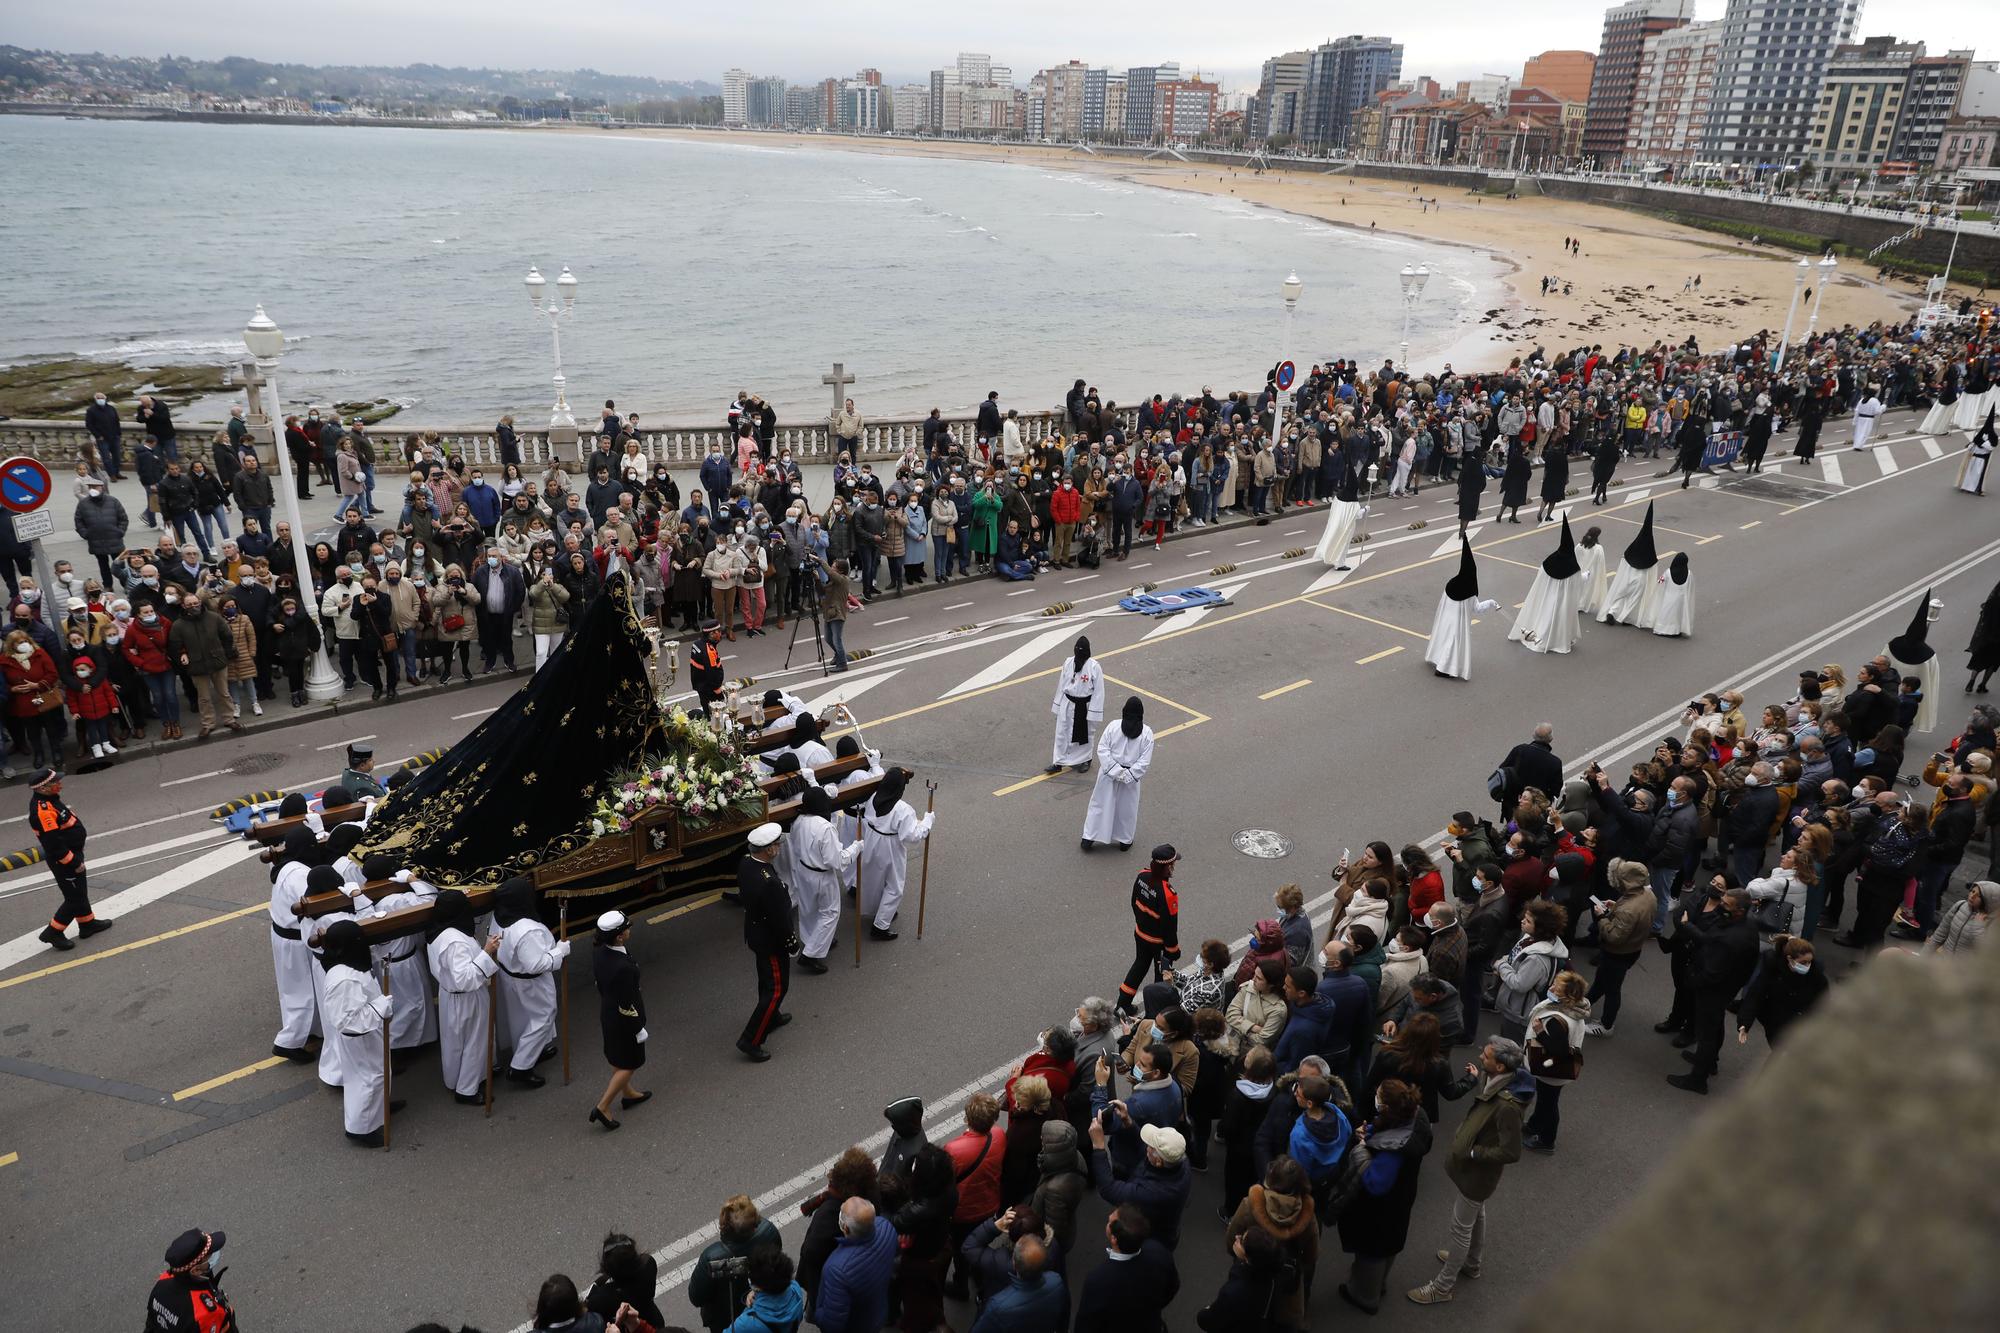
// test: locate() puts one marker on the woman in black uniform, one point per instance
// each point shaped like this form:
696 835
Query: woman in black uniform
621 1014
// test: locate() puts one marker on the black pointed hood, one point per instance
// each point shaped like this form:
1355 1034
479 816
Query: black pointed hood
1464 585
1133 719
1561 562
1678 570
1986 432
1640 553
1911 647
1349 490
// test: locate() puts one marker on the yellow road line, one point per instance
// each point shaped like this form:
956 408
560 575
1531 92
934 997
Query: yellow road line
10 1159
1343 611
135 944
692 905
1156 698
1518 564
1286 689
1657 527
230 1077
1376 657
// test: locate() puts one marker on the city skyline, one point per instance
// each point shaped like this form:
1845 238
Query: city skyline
806 42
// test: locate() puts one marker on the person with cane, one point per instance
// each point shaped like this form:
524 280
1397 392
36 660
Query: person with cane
621 1015
924 880
464 970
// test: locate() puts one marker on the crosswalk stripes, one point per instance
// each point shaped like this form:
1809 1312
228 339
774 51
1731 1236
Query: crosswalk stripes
1028 652
1335 577
1447 548
848 690
1932 449
1886 461
1829 467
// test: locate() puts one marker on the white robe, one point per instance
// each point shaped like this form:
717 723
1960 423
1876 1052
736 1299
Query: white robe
292 961
356 1008
885 858
1073 686
1114 801
1342 518
1595 579
1969 411
1648 613
1450 648
848 826
1937 421
1547 621
329 1055
1622 598
1673 613
1928 673
416 1021
529 957
1972 473
1865 413
820 862
811 755
462 970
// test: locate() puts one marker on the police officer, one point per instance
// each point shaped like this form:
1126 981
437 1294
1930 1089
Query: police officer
771 929
359 777
1156 924
188 1296
61 834
705 664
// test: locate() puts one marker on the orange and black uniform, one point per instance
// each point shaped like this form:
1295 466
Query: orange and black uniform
705 671
182 1303
61 834
1156 929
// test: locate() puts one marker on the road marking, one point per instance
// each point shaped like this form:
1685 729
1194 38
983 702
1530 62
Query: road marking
42 879
1194 719
1284 689
199 777
692 905
1013 661
850 689
1638 495
958 606
1887 462
893 620
337 744
1143 564
1190 618
1254 541
230 1077
1657 527
1932 449
10 1159
1020 592
1451 547
1082 579
1408 508
1829 468
1755 522
161 938
1206 550
1706 540
139 895
1376 657
1333 578
1343 611
477 712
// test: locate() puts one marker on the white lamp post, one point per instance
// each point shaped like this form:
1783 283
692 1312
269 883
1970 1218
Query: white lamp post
556 308
1291 289
1799 271
1413 280
266 343
1826 266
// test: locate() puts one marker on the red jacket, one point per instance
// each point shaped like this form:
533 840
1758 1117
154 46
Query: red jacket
1426 890
1066 505
93 698
1059 1073
39 672
145 646
978 1186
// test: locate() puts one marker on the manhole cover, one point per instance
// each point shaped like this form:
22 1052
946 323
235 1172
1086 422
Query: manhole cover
1263 843
256 763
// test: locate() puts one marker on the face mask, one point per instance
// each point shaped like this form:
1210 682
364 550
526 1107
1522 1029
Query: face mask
1802 968
24 652
493 562
1478 884
121 615
173 598
477 479
148 618
76 645
1751 780
31 596
1673 798
100 400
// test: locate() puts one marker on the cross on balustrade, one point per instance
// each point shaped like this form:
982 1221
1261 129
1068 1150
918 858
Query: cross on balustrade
839 379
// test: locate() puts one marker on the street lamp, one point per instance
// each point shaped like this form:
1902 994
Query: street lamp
1826 266
562 426
266 343
1799 271
1413 280
1291 289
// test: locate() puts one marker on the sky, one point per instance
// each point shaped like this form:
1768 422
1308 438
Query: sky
804 40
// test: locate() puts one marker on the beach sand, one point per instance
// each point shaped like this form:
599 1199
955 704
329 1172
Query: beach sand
1626 283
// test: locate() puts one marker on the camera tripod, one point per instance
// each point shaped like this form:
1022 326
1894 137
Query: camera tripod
811 600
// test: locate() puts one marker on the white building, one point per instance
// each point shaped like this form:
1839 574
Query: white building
911 107
1767 79
974 69
1676 79
735 95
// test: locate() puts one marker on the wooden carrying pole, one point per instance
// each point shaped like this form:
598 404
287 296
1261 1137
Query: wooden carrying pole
492 1036
388 1069
924 883
562 989
860 833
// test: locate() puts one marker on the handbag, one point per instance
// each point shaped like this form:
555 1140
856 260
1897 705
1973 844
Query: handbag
46 699
452 623
390 643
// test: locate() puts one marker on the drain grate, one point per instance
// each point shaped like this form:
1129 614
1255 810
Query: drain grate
257 763
1262 843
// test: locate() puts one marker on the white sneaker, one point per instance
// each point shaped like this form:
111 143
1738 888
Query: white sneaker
257 707
109 748
1596 1029
97 751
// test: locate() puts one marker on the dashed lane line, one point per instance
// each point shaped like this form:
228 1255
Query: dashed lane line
1268 695
1376 657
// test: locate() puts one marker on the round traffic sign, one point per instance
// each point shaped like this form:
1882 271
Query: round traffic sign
1287 372
24 484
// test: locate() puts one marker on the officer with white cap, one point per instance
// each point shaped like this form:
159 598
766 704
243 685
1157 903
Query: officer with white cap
621 1014
771 929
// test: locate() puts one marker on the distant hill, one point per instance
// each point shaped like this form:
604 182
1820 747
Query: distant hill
24 71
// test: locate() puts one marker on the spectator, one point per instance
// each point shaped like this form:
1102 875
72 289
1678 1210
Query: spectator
1720 960
1137 1281
1530 965
976 1158
1253 1291
1282 1208
1487 1141
1788 985
1964 923
1063 1181
1379 1188
625 1277
1257 1011
721 1280
1243 1111
558 1307
1554 1054
853 1294
1034 1300
777 1304
200 643
1294 924
853 1177
1623 926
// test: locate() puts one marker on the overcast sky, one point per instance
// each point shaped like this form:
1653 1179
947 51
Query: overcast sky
810 39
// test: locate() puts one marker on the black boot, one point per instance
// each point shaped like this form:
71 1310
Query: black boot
97 925
298 698
55 939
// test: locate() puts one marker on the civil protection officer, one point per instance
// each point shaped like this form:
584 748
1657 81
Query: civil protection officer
188 1297
61 834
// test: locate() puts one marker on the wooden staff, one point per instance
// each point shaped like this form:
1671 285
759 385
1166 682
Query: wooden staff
388 1071
924 883
860 833
562 988
492 1036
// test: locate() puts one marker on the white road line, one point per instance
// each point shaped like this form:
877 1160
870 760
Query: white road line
1335 577
1886 461
42 879
1254 541
1446 548
958 606
1635 496
1189 619
147 891
198 777
850 689
477 712
1013 661
1829 467
1147 564
1082 579
893 620
1932 449
339 744
1206 550
1020 592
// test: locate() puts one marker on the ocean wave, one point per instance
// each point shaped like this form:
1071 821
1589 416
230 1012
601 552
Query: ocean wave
165 349
1176 235
1073 215
961 231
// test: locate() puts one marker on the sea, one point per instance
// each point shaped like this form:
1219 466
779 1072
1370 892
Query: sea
393 259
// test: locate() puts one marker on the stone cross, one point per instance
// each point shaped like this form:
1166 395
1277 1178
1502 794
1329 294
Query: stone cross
839 379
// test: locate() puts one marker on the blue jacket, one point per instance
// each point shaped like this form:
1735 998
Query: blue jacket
1318 1145
1040 1306
1126 493
716 474
1160 1192
854 1285
1147 1106
774 1314
1307 1033
484 502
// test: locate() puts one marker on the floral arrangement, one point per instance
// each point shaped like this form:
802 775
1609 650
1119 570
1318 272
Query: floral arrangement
701 779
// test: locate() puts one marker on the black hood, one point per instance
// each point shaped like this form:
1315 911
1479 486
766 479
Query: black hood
1912 647
815 801
450 910
1678 570
1561 562
344 945
1640 553
1082 653
1464 585
1349 490
516 901
343 839
890 790
1134 718
1986 432
325 879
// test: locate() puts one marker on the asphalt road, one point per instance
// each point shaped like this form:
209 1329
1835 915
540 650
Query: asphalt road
137 1096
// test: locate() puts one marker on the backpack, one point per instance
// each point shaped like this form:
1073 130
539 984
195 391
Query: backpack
1550 1056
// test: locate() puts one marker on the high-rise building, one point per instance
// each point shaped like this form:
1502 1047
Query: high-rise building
1341 77
802 107
735 95
1000 76
1861 103
1063 109
1188 108
860 105
910 106
870 76
1282 76
946 115
1114 105
1142 102
829 103
1094 83
987 109
975 69
1670 95
764 101
1929 102
1767 79
1566 74
1612 80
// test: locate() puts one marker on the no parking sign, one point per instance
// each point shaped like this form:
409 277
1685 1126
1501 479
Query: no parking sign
25 484
1287 372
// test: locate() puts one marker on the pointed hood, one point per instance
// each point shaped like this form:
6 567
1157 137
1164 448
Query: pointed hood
1640 553
1464 585
1561 562
1349 490
1911 647
1986 432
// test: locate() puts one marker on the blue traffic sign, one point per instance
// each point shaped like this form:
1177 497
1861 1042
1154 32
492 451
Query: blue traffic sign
25 484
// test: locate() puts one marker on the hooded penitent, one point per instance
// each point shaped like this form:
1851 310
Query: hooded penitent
1561 562
1133 721
1678 569
1464 585
1639 552
345 946
324 879
817 802
890 790
1912 655
1079 714
450 910
516 901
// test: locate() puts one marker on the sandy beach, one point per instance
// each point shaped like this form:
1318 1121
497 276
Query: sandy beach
1626 286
